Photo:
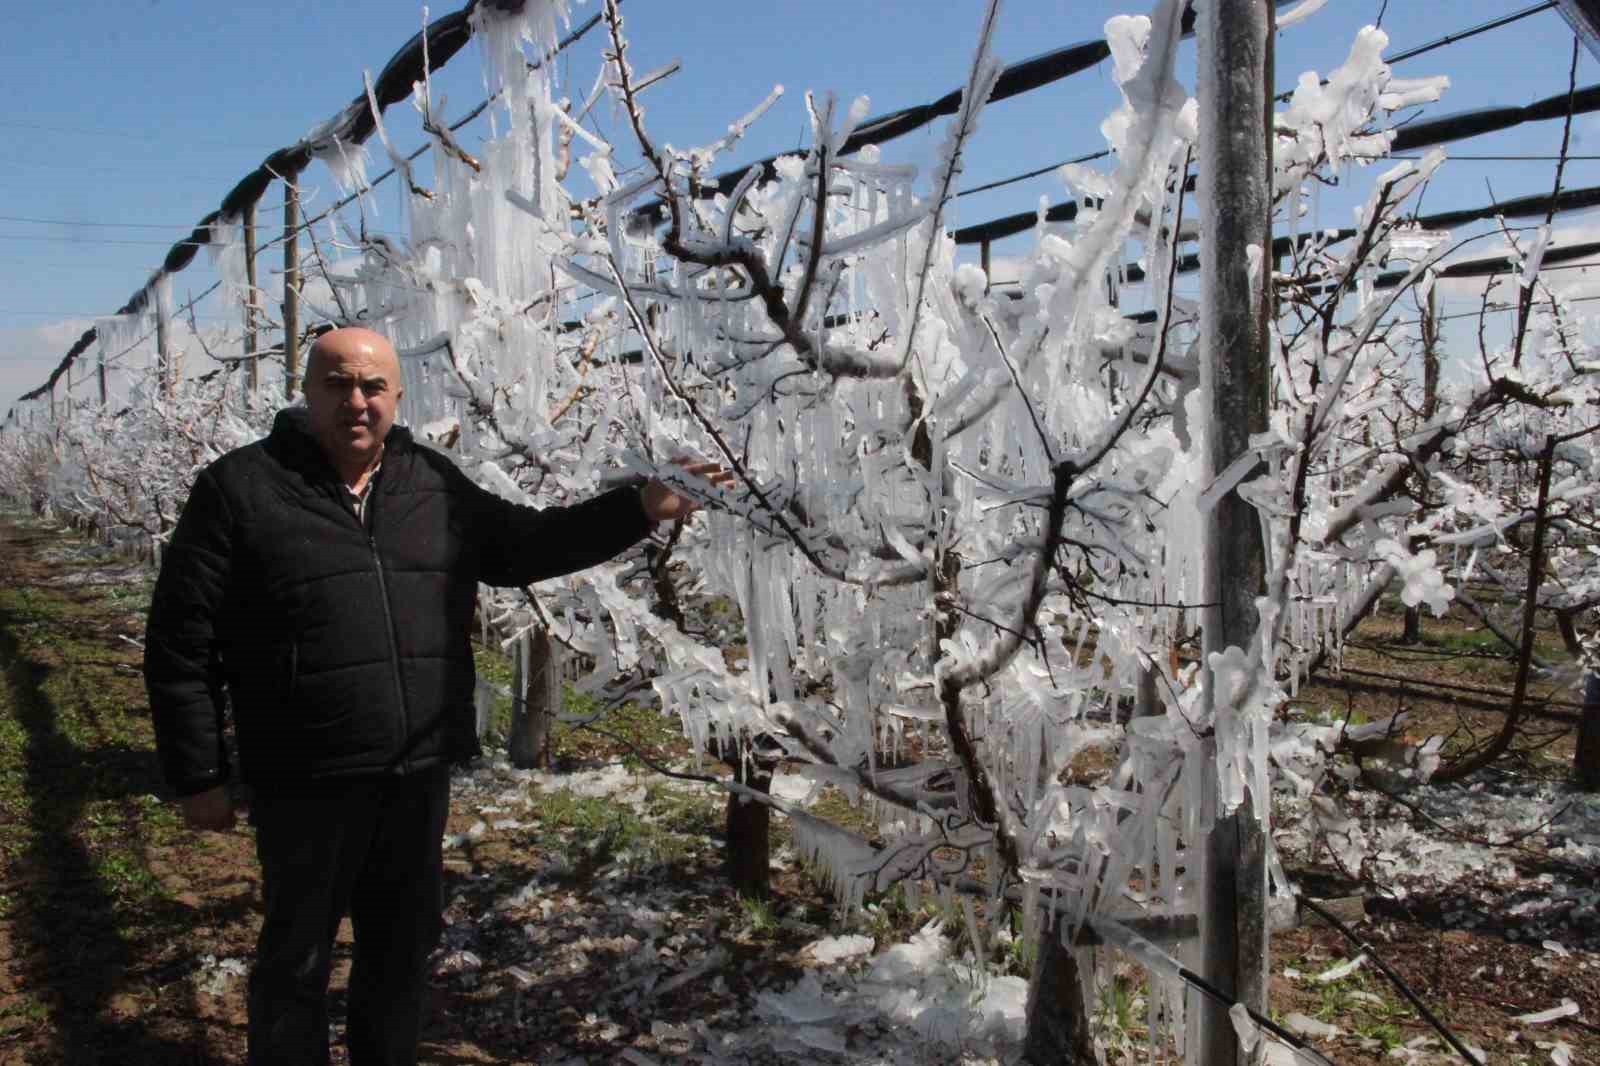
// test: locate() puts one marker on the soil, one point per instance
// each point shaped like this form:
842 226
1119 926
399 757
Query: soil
124 936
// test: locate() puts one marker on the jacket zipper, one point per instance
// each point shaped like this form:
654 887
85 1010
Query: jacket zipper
394 636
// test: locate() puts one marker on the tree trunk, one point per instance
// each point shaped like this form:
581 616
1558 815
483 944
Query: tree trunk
252 368
536 696
1586 761
749 831
1058 1033
1234 42
1430 407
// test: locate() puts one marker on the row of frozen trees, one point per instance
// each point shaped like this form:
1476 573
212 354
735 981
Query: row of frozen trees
964 536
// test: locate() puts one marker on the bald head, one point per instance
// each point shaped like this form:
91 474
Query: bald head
352 390
352 341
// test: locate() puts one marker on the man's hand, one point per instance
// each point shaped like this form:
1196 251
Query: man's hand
663 504
208 810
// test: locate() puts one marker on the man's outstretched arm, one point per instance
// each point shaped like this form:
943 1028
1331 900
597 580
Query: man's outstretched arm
526 544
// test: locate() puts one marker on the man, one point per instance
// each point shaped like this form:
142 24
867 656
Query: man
326 578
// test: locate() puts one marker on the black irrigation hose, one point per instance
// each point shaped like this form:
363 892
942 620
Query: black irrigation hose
439 42
1260 1019
1536 205
442 39
1418 135
1394 978
1014 80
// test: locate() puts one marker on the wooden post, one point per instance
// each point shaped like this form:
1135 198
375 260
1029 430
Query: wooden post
536 698
983 261
1586 760
252 370
291 285
1059 1031
103 397
747 826
1234 42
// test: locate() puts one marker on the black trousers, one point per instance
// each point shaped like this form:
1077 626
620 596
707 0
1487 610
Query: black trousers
369 847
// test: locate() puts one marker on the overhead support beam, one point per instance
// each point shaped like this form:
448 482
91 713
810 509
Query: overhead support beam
1584 18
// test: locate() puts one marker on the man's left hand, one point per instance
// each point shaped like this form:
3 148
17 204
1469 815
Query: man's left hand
664 504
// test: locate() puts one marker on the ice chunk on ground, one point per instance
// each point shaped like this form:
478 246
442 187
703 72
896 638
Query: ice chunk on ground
805 1003
1566 1009
1305 1025
833 949
1344 969
916 956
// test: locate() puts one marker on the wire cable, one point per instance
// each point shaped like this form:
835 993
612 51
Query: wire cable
1394 978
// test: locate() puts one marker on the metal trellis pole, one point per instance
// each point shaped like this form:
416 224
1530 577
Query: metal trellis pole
1234 43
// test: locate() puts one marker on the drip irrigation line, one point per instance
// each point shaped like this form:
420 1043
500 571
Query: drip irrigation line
1350 684
1394 978
1283 1035
1122 936
1477 690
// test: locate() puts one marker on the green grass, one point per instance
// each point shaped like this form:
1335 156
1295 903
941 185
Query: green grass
1363 1007
77 766
760 918
591 832
648 734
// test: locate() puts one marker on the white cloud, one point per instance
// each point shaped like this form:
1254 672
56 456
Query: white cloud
29 353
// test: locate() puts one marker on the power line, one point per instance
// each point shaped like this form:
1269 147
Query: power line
87 314
98 240
91 131
1452 38
1035 173
70 239
30 264
1505 158
124 172
78 222
1473 31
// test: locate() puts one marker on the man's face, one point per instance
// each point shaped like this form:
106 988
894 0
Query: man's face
352 390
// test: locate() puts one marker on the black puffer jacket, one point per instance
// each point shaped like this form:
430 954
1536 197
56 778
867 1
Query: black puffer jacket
344 650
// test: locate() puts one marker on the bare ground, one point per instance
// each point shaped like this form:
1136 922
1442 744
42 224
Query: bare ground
580 932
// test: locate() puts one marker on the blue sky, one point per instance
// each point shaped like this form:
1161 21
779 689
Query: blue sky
128 120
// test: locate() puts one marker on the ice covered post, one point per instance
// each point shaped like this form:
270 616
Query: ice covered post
1234 39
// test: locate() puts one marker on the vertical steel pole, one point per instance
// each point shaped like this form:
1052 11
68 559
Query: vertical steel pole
1234 41
291 286
251 368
